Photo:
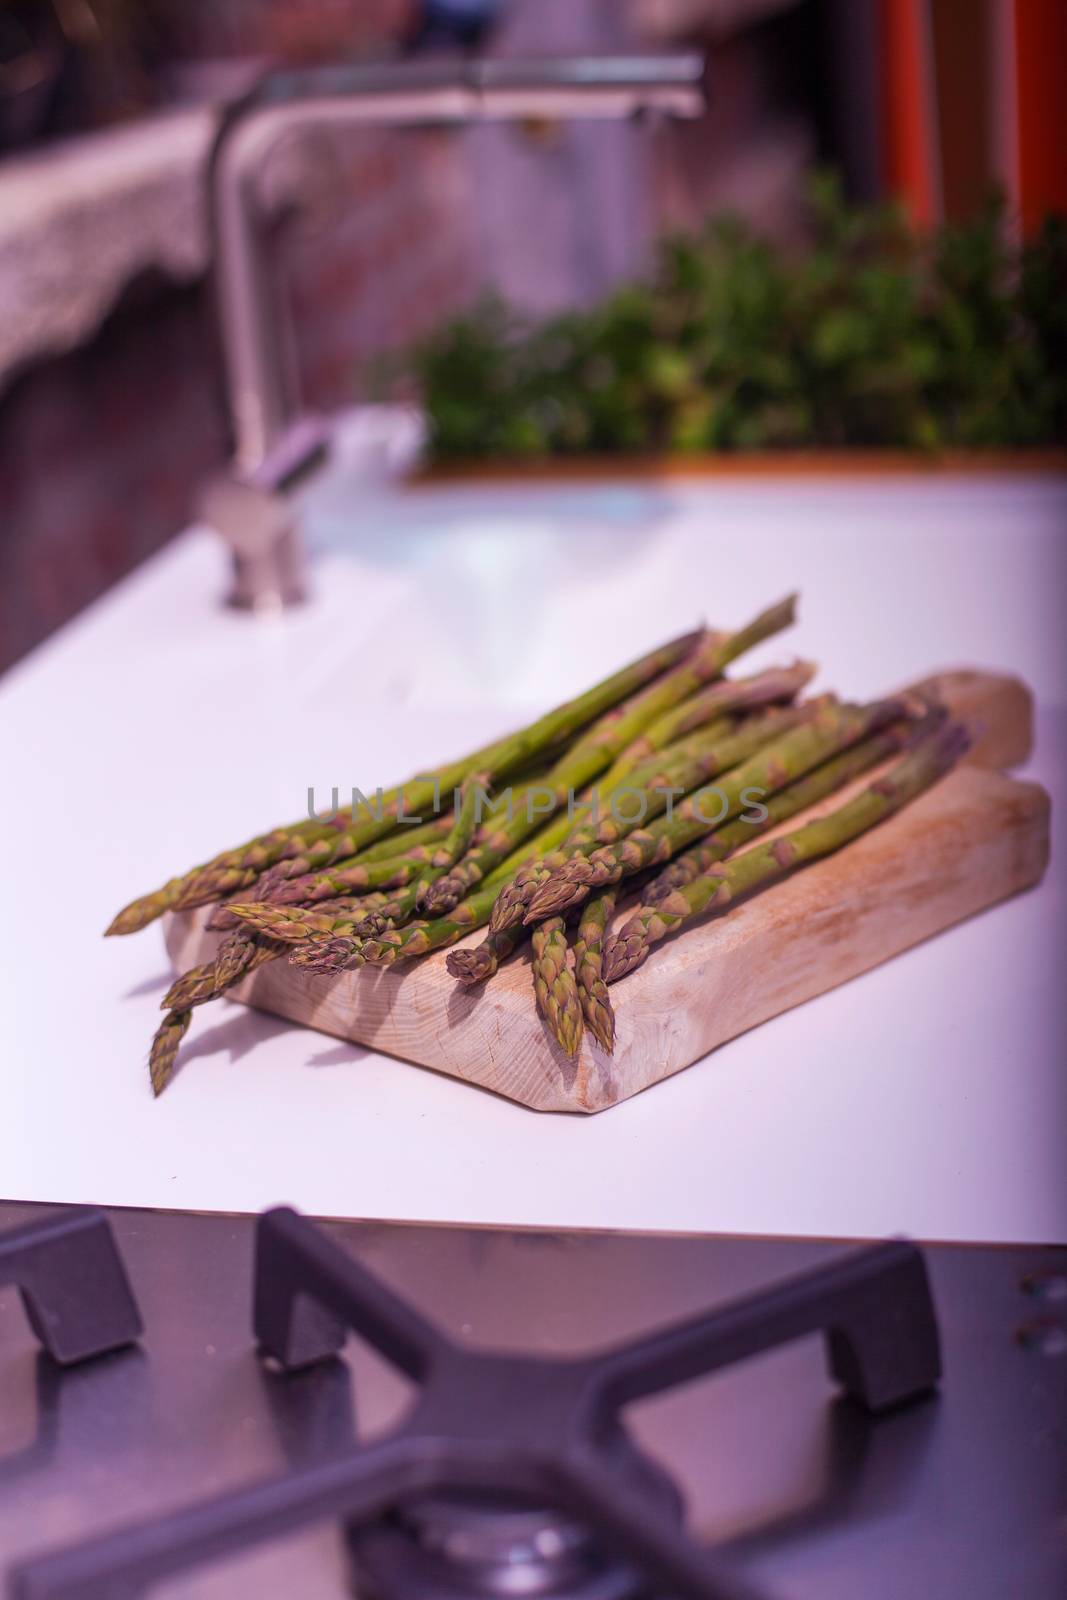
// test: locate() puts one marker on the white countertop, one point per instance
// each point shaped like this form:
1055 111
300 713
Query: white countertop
928 1096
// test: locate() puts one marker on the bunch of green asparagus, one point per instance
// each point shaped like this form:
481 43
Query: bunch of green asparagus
667 783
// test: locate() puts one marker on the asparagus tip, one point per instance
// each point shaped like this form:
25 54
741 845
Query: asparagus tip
626 950
190 988
471 966
132 918
441 897
164 1049
328 955
600 1018
569 1034
561 891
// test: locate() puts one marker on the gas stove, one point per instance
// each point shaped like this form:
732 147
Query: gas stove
567 1416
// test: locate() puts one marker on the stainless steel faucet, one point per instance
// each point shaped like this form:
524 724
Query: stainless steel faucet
275 441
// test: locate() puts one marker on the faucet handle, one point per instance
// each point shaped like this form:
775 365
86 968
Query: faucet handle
261 528
256 517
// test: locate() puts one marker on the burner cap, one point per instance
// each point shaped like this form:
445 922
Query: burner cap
459 1547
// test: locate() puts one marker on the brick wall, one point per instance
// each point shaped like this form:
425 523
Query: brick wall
97 453
381 258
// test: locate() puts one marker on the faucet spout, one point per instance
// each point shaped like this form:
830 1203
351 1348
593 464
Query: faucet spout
272 442
260 392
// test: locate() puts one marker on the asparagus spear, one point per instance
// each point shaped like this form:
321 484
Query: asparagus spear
832 728
931 757
243 951
685 767
328 955
711 705
419 937
396 909
222 919
139 913
597 749
437 828
236 954
268 847
268 885
607 738
554 985
345 949
277 884
393 872
357 879
239 953
448 891
294 924
164 1048
343 850
317 836
389 944
191 988
312 844
677 771
514 898
588 952
499 759
796 797
474 966
322 841
502 757
273 882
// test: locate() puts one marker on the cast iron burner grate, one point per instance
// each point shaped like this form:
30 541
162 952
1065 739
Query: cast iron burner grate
509 1470
73 1284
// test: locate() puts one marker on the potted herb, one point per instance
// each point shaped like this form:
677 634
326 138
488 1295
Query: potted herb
872 338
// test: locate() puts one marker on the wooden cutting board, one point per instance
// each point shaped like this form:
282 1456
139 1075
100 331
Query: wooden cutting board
976 838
